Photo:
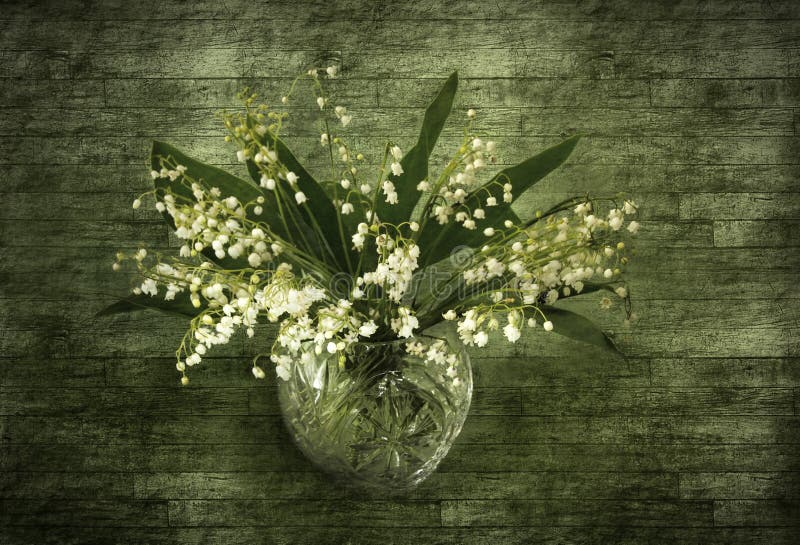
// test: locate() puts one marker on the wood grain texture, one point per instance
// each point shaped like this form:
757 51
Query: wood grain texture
691 107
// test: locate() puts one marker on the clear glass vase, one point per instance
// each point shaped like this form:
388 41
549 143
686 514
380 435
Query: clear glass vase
384 415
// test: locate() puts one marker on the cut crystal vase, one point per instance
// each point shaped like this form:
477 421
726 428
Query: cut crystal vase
381 417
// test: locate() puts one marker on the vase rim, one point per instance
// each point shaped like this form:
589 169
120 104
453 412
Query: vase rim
405 340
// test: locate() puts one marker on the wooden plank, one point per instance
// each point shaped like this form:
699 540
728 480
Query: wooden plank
18 372
543 371
656 121
93 402
757 512
728 93
242 61
699 259
75 178
216 372
354 513
68 206
725 372
794 342
51 94
627 430
56 311
740 206
130 458
392 93
16 150
601 63
142 429
91 233
733 486
53 63
58 485
743 233
56 342
705 64
221 93
86 513
575 513
698 285
525 92
657 401
706 344
263 485
793 67
679 314
729 179
797 401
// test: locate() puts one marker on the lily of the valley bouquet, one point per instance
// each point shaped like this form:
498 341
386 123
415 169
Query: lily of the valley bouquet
354 265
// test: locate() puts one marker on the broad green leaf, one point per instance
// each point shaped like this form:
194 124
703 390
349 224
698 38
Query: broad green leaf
575 326
181 305
415 161
437 241
318 209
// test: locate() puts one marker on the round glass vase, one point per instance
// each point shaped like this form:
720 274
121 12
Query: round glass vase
382 416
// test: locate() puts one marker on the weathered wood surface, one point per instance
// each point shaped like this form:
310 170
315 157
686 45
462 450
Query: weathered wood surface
690 107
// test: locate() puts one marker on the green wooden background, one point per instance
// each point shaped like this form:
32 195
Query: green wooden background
691 107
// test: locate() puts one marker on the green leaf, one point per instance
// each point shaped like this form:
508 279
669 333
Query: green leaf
575 326
415 162
436 241
319 208
181 305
